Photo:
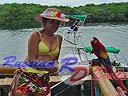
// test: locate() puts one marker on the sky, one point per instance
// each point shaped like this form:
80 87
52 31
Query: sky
62 2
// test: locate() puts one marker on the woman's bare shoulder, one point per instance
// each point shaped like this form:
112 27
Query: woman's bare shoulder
34 34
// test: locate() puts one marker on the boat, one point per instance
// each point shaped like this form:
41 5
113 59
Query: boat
89 87
86 85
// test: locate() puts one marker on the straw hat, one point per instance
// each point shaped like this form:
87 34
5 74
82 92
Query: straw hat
52 13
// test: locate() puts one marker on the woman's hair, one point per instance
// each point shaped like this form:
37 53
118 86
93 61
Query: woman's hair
40 19
44 21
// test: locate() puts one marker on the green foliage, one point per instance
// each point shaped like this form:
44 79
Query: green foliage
19 16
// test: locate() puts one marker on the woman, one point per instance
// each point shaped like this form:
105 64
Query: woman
42 46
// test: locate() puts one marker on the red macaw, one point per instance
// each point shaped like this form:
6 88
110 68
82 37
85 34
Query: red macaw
99 50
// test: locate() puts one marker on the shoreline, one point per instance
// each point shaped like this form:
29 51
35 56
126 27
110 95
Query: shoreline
85 25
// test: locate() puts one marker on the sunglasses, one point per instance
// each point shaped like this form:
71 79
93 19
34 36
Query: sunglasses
53 21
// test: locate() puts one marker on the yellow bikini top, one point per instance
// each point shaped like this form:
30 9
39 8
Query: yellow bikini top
43 48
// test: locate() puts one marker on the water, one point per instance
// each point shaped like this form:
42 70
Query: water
14 43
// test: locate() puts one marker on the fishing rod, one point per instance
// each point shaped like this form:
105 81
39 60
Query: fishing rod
70 42
73 29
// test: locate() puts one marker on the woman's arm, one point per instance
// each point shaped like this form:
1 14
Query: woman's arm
33 46
57 57
60 43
